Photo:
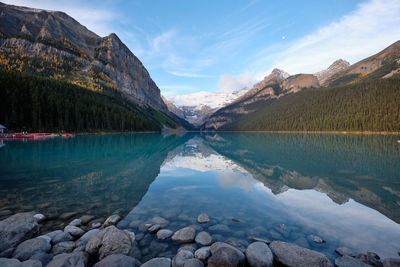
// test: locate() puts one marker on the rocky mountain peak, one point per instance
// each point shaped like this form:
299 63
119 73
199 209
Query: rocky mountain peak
279 74
338 65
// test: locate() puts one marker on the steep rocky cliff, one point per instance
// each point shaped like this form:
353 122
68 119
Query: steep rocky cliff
53 44
324 75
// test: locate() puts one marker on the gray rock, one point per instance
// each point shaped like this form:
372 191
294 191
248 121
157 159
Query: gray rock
259 254
191 247
202 253
184 235
219 228
158 262
316 239
292 255
193 263
112 220
83 240
86 218
76 259
28 248
74 231
257 239
16 229
159 220
158 246
109 241
164 234
62 237
44 258
203 218
347 261
9 262
39 217
53 234
118 260
7 253
391 262
63 247
223 254
31 263
154 228
345 251
95 225
203 239
76 222
181 257
235 243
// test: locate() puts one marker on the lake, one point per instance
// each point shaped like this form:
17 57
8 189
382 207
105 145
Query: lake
342 188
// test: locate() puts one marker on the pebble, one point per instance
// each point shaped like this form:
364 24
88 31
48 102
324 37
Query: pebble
202 253
154 228
164 234
39 217
203 239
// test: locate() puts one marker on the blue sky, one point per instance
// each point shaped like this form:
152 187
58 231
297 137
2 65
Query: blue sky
191 46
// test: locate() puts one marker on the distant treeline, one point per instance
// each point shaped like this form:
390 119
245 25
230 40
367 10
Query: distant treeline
372 105
34 103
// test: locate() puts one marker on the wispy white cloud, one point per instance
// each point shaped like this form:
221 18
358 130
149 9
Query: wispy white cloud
371 27
229 83
96 19
188 74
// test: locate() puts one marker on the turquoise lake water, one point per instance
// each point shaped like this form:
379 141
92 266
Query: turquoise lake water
343 188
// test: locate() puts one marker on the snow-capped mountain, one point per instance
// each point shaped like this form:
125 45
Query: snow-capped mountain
198 106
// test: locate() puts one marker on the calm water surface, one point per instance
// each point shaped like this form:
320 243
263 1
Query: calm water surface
343 188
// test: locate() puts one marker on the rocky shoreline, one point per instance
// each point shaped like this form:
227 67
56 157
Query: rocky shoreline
87 241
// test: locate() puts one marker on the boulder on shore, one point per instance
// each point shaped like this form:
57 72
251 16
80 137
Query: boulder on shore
16 229
259 255
293 255
109 241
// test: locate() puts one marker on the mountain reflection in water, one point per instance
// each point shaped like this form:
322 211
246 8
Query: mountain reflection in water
344 188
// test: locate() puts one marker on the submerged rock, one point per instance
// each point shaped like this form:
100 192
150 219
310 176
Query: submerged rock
160 221
370 258
219 228
75 259
184 235
203 239
109 241
154 228
164 234
86 218
292 255
259 255
28 248
316 239
112 220
16 229
118 260
203 218
347 261
181 257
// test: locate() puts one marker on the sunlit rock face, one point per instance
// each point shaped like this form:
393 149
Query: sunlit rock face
68 50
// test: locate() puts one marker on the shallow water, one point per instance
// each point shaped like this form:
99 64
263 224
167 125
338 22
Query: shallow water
343 188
